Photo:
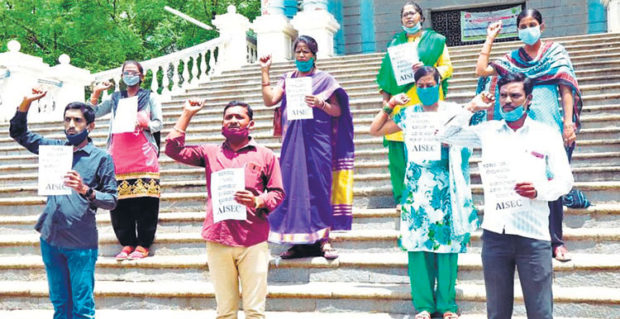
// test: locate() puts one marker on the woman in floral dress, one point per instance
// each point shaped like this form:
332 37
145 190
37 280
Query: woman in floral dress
437 209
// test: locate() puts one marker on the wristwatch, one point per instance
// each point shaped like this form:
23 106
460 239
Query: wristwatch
89 193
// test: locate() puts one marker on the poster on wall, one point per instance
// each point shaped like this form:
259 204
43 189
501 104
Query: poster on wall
474 24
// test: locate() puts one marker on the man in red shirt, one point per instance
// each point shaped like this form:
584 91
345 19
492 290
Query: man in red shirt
236 246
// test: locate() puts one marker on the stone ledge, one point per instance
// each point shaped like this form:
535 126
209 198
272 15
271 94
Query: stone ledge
198 216
323 290
468 261
203 314
365 235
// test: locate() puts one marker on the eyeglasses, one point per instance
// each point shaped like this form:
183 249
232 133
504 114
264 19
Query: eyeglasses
130 73
409 13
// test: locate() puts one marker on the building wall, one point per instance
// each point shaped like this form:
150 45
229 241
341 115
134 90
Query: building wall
352 26
561 17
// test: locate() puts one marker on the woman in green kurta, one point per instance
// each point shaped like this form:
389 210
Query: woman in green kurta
432 51
437 209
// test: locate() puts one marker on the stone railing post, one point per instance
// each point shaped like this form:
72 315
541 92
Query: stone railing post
20 73
234 27
613 16
274 33
73 79
318 23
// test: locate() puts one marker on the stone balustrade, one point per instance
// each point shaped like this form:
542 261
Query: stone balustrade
178 70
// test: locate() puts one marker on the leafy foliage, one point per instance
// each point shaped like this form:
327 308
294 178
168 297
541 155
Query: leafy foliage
101 34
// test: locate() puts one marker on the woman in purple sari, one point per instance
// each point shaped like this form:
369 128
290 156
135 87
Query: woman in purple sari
316 157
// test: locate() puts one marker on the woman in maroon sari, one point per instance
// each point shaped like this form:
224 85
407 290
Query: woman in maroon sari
316 158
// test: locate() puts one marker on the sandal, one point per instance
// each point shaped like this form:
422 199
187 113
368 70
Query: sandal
329 252
560 253
139 253
124 254
423 315
450 315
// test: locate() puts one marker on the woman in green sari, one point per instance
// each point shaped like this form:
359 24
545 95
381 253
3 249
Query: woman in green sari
432 51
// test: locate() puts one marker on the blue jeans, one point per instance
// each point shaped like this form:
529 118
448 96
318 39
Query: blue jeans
71 279
532 258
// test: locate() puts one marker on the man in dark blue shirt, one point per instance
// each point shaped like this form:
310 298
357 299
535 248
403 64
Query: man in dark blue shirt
67 225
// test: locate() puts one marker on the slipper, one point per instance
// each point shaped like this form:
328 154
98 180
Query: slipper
423 315
560 253
450 315
328 251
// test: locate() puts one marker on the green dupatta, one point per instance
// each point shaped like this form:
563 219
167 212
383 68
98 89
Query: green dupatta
430 49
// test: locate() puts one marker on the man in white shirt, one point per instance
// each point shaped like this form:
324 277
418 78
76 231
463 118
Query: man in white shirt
526 167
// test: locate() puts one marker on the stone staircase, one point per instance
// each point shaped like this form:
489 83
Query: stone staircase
369 280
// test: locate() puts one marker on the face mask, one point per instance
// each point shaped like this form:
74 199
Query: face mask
428 96
131 80
304 66
413 30
78 138
513 115
235 135
529 36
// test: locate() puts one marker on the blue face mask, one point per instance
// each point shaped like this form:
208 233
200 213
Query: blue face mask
513 115
78 138
529 36
131 80
304 66
413 30
428 96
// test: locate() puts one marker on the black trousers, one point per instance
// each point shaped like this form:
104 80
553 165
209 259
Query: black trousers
556 212
135 221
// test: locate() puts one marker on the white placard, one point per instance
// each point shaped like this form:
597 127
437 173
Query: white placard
126 115
499 178
403 57
224 184
296 90
422 142
54 162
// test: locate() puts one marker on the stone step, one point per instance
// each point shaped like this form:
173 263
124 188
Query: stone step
369 72
201 314
370 175
381 268
597 129
583 240
459 63
586 74
174 221
467 89
361 145
592 117
599 190
457 57
358 82
365 161
332 296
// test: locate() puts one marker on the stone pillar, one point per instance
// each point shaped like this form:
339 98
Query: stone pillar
613 16
315 5
20 73
318 23
233 27
274 33
272 7
73 81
